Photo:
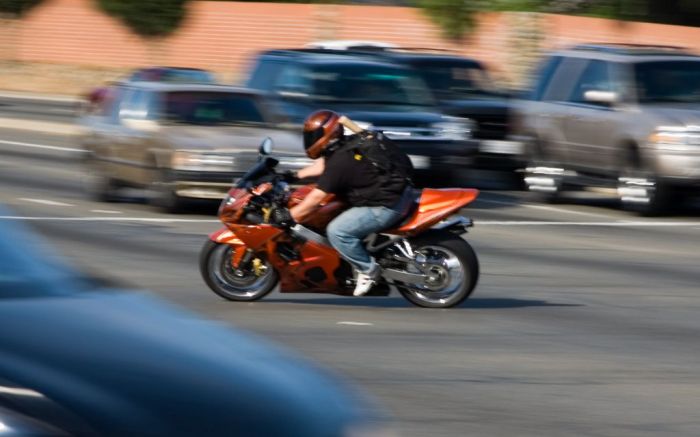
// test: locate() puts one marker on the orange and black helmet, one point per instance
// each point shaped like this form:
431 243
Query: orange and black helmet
321 129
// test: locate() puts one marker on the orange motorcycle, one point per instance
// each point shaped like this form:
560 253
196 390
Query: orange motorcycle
423 257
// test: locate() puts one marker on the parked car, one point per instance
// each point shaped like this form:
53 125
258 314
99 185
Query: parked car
98 96
620 116
181 141
462 86
79 358
374 93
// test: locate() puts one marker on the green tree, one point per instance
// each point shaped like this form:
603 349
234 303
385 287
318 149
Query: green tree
455 17
148 18
17 7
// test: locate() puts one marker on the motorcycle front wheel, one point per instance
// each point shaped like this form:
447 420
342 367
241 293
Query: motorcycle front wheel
453 271
231 283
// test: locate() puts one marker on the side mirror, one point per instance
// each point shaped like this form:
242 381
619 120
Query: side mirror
266 146
601 97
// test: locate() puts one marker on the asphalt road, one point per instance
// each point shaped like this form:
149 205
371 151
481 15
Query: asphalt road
585 320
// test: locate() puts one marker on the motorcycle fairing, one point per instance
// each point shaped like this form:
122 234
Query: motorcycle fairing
433 206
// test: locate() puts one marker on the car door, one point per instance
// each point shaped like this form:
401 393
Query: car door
136 129
590 125
551 112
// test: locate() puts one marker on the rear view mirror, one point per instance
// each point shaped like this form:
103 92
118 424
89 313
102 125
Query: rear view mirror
266 146
601 97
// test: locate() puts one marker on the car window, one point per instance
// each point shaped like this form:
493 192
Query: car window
134 105
372 84
211 108
264 75
668 81
456 81
596 77
543 77
564 78
293 79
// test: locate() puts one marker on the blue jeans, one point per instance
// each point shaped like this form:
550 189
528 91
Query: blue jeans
347 231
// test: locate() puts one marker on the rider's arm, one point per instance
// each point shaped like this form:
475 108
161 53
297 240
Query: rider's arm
308 205
312 171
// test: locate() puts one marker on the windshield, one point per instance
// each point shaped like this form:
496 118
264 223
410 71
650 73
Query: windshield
668 81
211 108
369 84
452 82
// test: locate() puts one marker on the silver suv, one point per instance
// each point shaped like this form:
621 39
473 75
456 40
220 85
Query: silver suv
619 116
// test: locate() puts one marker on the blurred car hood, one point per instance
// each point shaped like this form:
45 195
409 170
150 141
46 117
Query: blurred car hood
227 138
674 114
129 364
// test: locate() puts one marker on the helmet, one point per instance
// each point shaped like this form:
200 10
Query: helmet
321 129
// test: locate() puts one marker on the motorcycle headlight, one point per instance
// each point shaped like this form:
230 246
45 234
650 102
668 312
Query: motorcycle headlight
195 161
675 139
454 128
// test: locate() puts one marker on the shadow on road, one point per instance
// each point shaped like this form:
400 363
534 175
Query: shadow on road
398 302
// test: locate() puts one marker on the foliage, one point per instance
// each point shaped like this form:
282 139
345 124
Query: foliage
149 18
17 7
455 17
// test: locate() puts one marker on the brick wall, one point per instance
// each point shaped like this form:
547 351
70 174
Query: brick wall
222 36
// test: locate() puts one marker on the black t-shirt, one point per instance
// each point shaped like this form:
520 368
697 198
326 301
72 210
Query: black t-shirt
351 176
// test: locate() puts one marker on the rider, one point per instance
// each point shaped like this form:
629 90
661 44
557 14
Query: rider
375 202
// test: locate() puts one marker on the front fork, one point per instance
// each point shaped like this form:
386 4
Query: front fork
242 258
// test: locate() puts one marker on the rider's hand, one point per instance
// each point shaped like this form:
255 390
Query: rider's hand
281 217
290 176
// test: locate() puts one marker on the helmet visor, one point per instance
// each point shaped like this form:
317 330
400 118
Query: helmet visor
312 136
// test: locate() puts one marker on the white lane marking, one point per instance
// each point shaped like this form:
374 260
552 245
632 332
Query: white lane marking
110 219
106 211
44 201
355 323
613 224
542 207
41 146
692 224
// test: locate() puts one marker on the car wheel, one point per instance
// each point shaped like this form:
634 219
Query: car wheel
163 194
643 193
543 176
98 185
641 190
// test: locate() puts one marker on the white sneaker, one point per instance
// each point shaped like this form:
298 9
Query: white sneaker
364 283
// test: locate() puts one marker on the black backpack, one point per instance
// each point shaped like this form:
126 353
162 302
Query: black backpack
390 161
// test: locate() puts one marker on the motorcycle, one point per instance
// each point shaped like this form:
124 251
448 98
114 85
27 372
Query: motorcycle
423 257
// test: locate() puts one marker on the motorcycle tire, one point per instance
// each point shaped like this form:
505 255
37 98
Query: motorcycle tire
456 268
218 273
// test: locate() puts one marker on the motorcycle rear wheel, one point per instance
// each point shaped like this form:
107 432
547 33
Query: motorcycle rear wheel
224 280
455 267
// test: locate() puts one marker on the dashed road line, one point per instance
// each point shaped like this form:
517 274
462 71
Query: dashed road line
106 211
612 224
44 201
42 146
355 323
